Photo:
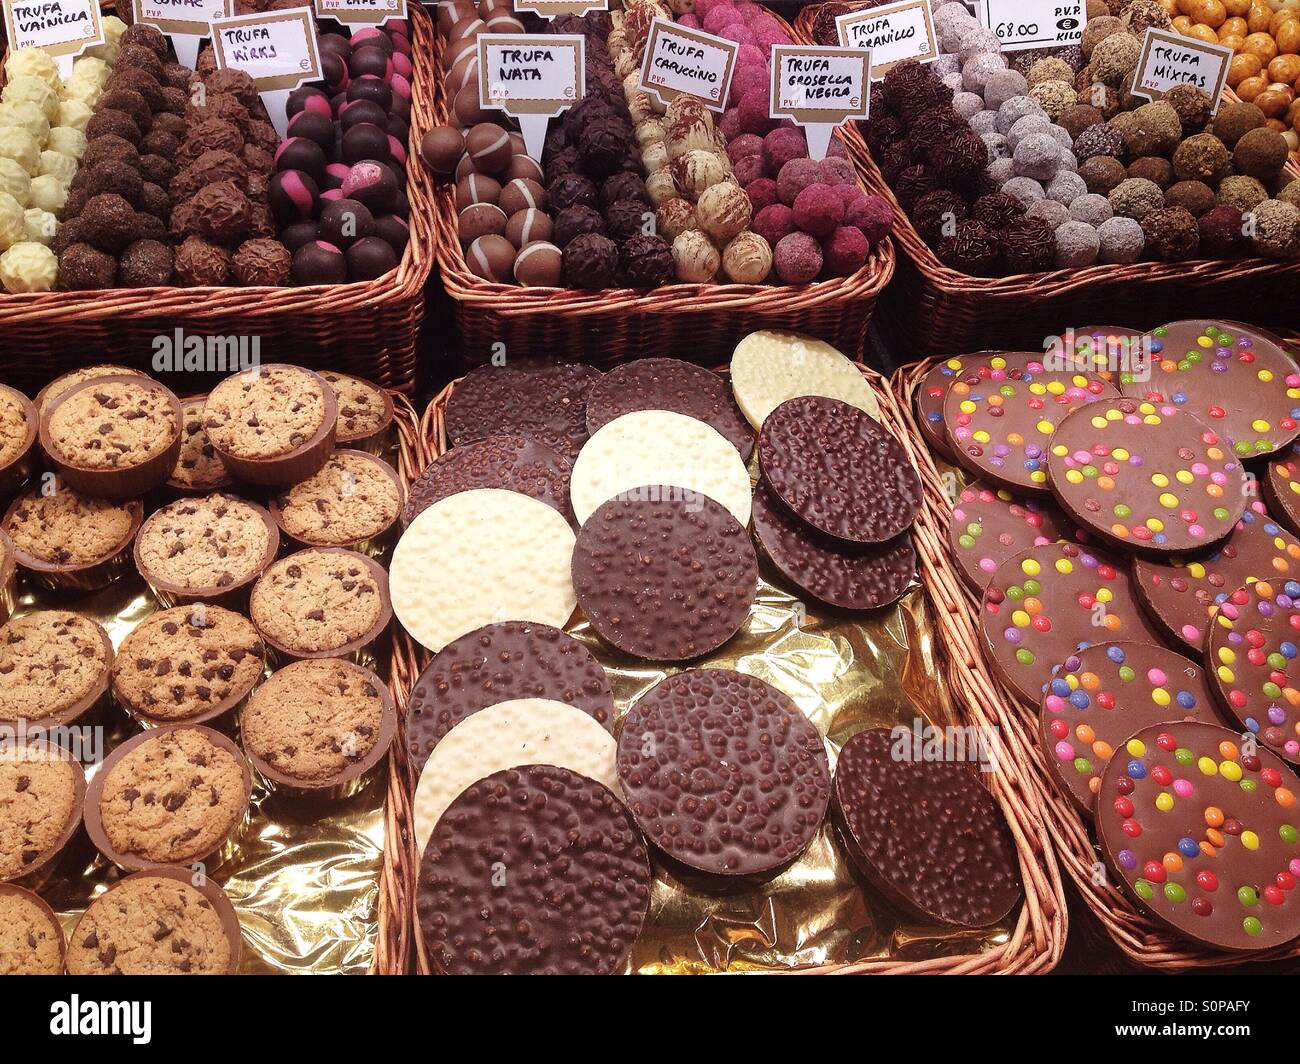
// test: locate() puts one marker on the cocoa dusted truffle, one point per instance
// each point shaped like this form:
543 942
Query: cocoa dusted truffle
112 176
146 37
262 262
1277 229
110 147
157 169
199 264
108 222
590 260
155 201
1196 196
646 260
1028 245
140 81
146 59
222 212
129 102
972 249
82 267
114 123
1171 234
145 264
1156 170
1223 233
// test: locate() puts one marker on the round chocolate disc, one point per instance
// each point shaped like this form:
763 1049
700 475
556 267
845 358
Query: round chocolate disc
1282 488
666 576
1101 696
1251 649
1240 384
989 525
1205 834
1182 593
1145 475
540 400
1001 411
500 663
669 384
1049 602
723 773
837 470
1109 351
533 871
844 576
930 394
924 832
510 462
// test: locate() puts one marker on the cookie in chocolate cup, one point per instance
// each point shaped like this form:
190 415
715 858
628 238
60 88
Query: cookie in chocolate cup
199 469
366 416
319 727
113 437
193 929
74 377
170 795
273 424
54 668
31 938
45 791
353 501
18 428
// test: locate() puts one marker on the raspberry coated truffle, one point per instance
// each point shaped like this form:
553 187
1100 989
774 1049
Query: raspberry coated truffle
797 258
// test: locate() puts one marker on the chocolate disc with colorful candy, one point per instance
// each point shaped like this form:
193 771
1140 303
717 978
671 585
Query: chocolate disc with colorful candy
1049 602
930 395
1181 594
1240 384
1002 410
1102 695
1205 833
1282 488
1108 350
1252 647
989 525
1142 474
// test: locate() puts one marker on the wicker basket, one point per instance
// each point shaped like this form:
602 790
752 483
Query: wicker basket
701 323
934 310
1142 939
368 328
1038 938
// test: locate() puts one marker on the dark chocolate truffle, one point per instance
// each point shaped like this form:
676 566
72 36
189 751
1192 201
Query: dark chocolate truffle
137 80
394 231
299 153
199 264
295 236
575 221
129 102
626 219
112 176
292 196
157 169
113 123
369 258
572 190
318 263
82 268
262 262
145 264
345 221
1171 234
365 141
646 261
315 127
590 261
623 185
110 147
108 222
374 184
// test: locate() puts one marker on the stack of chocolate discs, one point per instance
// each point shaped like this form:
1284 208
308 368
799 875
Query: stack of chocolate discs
1138 592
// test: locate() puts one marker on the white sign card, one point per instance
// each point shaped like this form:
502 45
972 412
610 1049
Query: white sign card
819 88
680 61
1022 24
64 28
532 77
277 49
892 33
360 12
1169 59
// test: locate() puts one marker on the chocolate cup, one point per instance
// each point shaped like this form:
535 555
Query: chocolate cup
383 438
13 890
8 578
30 873
359 650
128 483
352 779
95 699
87 576
299 463
227 481
373 545
170 594
17 470
95 792
213 893
44 393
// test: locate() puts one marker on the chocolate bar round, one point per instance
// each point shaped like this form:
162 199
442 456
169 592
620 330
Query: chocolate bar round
1242 385
1282 488
930 394
833 467
1049 602
1002 411
723 773
669 384
1144 475
1251 648
1205 834
530 871
843 576
925 833
990 525
664 576
510 462
1109 351
1102 695
1181 594
541 400
500 663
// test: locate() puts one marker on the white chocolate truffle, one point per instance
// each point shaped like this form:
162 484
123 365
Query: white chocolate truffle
651 131
654 157
12 220
86 92
114 27
73 113
34 62
26 115
48 193
32 90
64 167
15 181
67 140
659 186
20 146
28 267
90 69
39 225
695 258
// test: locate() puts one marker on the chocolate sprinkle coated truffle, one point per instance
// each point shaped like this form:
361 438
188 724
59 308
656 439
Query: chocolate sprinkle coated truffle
972 249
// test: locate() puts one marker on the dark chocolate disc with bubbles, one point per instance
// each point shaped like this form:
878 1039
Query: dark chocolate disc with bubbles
533 871
1241 384
510 462
989 525
844 576
669 384
540 400
1050 602
664 576
1205 834
926 833
1282 488
1101 696
1002 410
1144 475
1183 593
499 663
930 394
837 470
723 773
1251 653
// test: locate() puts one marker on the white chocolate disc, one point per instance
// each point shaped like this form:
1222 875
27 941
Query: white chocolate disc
767 368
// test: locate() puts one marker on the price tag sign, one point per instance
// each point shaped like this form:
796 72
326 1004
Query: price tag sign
361 12
1169 59
1022 24
186 22
684 62
556 8
892 33
532 77
64 28
277 49
820 88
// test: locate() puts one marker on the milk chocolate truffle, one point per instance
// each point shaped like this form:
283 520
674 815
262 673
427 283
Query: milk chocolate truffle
590 261
145 264
210 168
200 264
262 262
222 212
539 265
207 135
